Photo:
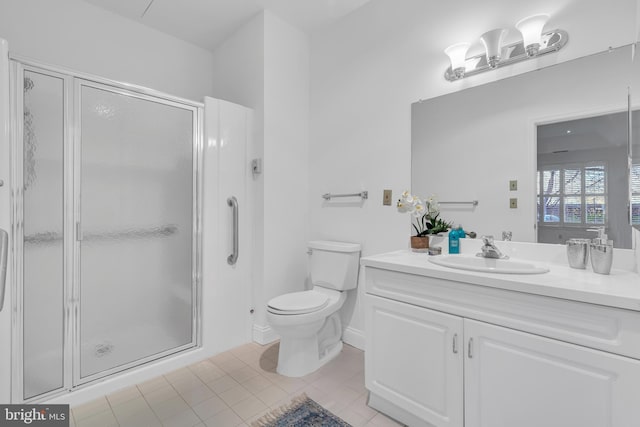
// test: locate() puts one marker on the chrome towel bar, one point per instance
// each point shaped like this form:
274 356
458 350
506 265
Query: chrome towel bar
472 202
363 194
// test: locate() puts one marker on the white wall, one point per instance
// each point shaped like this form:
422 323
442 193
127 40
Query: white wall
286 142
79 36
265 65
367 70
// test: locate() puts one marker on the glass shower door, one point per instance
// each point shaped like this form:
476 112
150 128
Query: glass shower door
135 228
42 270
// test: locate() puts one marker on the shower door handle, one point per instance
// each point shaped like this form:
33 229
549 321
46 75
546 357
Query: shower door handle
4 250
79 235
233 203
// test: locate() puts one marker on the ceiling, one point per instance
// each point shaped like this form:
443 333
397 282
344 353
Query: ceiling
206 23
608 130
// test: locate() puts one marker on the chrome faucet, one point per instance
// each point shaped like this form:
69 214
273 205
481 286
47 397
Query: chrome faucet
489 249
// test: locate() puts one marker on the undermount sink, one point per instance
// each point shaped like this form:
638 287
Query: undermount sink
488 265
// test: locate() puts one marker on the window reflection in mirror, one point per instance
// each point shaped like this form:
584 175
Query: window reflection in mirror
582 179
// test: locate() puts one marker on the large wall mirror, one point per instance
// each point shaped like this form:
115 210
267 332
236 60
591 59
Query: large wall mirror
561 133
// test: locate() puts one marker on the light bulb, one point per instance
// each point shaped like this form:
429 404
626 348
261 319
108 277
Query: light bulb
457 55
531 29
492 41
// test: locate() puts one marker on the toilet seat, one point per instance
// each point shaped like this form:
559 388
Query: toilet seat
298 303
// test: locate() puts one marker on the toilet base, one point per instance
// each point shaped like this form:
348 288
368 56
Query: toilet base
331 353
304 350
295 359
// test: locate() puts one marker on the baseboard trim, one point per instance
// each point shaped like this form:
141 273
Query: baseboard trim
354 337
263 334
395 412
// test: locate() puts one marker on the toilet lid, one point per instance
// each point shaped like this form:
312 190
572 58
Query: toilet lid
298 302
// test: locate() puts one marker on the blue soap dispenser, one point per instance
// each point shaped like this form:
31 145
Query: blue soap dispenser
454 240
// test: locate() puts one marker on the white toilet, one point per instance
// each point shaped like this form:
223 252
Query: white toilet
308 322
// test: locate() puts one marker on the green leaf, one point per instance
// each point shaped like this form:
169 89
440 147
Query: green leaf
416 228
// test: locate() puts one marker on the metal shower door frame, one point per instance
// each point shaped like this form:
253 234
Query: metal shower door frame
17 228
71 195
78 85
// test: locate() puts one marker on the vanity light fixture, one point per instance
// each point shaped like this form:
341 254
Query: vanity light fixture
534 43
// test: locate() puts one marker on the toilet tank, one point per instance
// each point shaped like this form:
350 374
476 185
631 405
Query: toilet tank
334 265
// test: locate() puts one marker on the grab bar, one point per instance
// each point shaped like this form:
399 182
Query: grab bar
233 203
4 249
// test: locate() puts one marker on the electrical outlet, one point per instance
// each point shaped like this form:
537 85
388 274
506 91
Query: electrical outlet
513 185
513 203
386 197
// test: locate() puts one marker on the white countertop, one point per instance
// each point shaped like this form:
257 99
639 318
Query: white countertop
619 289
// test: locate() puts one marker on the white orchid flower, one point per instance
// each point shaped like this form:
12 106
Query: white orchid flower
407 197
419 208
404 207
408 203
433 206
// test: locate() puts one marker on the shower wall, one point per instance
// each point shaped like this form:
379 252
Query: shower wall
227 173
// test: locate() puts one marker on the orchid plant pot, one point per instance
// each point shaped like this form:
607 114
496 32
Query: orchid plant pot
419 243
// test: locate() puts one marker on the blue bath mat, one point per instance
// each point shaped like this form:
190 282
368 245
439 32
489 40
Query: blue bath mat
301 412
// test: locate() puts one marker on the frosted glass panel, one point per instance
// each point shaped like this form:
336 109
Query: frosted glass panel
136 215
43 283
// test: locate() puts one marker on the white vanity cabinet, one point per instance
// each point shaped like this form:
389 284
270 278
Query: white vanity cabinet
448 353
514 378
413 358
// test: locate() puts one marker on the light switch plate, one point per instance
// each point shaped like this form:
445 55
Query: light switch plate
513 203
513 185
386 197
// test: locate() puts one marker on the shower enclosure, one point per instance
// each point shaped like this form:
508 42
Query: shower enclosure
106 224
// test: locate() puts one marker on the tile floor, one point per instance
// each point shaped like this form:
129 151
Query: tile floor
234 389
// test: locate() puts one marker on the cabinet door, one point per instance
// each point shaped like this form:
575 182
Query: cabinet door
517 379
411 360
